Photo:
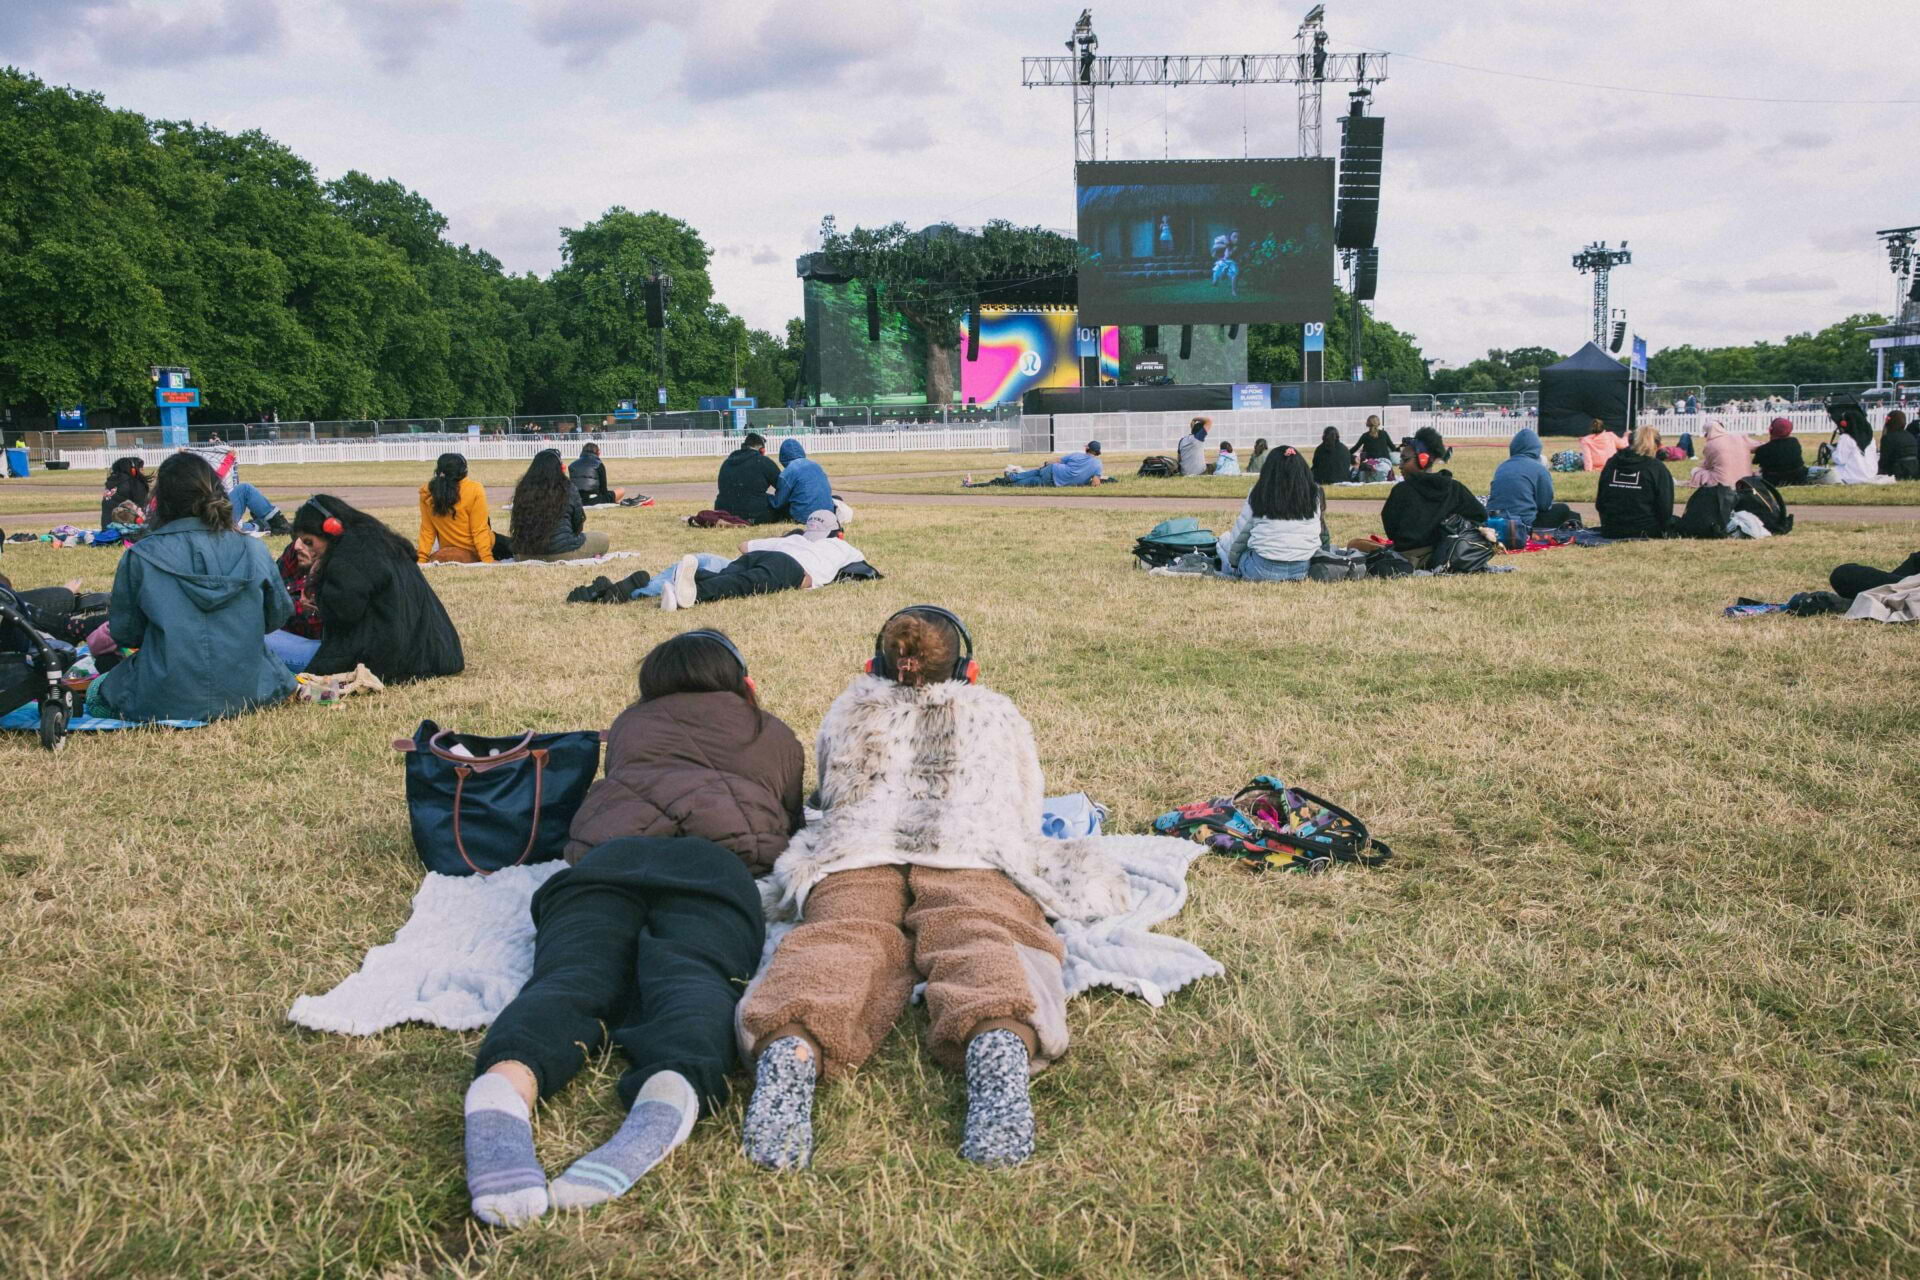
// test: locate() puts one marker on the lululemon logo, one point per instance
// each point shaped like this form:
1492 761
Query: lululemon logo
1030 363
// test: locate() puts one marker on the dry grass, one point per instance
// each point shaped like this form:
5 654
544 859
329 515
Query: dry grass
1636 999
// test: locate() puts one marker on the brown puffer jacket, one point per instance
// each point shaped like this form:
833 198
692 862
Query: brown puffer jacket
696 764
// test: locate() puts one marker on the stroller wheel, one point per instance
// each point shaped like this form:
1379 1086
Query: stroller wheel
53 722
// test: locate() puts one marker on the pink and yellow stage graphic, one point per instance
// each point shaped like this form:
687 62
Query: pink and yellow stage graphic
1019 351
1109 355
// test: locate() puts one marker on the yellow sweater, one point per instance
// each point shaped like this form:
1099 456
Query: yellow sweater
464 528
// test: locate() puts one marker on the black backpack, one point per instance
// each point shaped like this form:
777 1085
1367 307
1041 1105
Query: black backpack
1709 512
1757 495
1387 563
1338 565
1160 466
1461 548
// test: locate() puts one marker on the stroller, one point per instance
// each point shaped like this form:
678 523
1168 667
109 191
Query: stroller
32 667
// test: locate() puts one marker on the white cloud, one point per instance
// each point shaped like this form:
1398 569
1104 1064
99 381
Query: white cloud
395 32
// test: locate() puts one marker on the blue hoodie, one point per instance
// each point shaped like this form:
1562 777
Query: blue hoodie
1522 485
804 487
197 603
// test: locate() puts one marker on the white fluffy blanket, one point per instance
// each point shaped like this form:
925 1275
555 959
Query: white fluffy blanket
467 949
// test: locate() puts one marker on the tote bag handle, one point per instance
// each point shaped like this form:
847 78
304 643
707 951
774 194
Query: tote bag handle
463 771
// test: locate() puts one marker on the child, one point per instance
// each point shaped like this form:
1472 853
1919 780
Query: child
650 935
928 865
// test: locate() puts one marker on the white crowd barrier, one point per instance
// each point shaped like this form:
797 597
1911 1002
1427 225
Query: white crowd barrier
661 444
1160 432
1811 423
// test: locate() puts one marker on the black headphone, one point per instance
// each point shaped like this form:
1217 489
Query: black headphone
329 523
965 669
706 633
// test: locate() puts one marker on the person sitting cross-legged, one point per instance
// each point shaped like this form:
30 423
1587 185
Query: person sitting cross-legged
1420 504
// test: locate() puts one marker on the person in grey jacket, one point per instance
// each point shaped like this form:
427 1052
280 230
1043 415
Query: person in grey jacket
1193 450
196 600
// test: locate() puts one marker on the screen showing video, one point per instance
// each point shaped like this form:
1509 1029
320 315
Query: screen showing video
1206 241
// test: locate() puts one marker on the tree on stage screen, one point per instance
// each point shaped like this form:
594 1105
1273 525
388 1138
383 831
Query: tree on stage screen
1206 241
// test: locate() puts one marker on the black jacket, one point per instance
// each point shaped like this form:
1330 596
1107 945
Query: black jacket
1332 463
746 475
1634 497
1899 454
122 487
1419 504
376 607
588 473
1377 445
1781 462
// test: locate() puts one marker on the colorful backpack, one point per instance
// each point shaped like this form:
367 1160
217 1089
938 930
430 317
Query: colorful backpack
1568 460
1270 824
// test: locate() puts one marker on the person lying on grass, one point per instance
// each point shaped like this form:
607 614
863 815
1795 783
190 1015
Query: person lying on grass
648 938
927 865
1070 471
809 557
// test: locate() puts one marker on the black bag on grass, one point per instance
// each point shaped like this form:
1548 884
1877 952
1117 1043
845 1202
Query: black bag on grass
1388 563
1461 548
1756 495
1709 512
1337 565
478 804
1171 539
1159 466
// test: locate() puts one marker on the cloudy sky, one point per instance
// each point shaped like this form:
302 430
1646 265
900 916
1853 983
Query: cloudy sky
752 118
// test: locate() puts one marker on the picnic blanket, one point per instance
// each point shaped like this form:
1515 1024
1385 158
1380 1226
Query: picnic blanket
509 564
27 719
467 948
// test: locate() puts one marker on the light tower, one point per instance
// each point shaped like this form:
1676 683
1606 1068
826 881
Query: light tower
1600 260
1900 258
1310 43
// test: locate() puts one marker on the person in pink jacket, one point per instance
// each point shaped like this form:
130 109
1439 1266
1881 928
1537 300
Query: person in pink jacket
1598 445
1724 458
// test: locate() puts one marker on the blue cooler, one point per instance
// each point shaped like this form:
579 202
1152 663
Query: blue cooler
18 463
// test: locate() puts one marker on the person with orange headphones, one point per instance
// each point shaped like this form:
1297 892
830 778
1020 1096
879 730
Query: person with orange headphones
927 865
374 603
1416 508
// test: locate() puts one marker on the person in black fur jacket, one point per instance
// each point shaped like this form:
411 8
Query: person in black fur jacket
375 605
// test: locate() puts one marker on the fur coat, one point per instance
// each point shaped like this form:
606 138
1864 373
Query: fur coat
941 776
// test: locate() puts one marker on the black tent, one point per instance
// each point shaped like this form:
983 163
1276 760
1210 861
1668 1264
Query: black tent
1586 385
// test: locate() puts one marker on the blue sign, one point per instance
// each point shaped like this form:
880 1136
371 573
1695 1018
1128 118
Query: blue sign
663 397
1086 340
1314 337
177 397
75 419
1640 354
1252 395
1899 369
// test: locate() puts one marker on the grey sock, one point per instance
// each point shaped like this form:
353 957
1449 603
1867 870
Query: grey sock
662 1117
778 1133
999 1111
504 1178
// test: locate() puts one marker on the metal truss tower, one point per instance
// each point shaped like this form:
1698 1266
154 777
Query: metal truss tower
1310 66
1600 260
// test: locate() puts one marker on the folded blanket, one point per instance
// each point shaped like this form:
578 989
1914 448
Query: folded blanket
509 564
467 949
27 719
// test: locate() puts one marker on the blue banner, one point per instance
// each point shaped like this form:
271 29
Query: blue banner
1640 354
1252 395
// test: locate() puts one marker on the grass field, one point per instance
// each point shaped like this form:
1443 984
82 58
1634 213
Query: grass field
1636 998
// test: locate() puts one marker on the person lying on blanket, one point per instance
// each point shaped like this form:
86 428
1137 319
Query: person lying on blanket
927 865
649 935
808 557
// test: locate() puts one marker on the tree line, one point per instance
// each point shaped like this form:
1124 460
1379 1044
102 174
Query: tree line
127 242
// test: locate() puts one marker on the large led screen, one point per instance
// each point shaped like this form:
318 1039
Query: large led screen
1206 241
1019 350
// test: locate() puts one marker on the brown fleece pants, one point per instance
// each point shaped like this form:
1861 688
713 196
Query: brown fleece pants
842 976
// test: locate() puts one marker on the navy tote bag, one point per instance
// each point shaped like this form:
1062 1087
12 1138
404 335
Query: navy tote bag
479 804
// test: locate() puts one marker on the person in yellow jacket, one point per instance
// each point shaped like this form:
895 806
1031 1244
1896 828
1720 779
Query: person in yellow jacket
453 517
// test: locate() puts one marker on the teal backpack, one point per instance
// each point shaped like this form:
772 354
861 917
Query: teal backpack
1171 539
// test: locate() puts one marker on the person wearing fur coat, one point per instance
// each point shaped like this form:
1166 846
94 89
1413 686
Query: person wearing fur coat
927 866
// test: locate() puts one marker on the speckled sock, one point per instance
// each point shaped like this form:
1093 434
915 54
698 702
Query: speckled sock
504 1178
662 1117
999 1111
778 1133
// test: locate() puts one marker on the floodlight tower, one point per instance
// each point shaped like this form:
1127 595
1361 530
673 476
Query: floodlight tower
1901 258
1600 260
1310 43
1082 46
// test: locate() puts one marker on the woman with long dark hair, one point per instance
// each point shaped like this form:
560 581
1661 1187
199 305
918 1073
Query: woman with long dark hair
195 600
1332 461
453 517
1855 460
549 522
1280 526
126 482
1899 449
648 939
375 605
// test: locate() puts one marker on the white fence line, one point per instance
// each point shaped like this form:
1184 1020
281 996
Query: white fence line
660 444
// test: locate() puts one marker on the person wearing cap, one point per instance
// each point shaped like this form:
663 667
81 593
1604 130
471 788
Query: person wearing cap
1780 459
1193 449
747 480
1070 471
809 557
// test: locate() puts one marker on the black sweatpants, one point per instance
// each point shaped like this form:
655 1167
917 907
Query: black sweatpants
1851 579
753 574
651 940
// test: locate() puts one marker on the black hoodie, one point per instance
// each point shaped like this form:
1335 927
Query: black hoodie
1419 505
746 476
376 607
1634 496
1332 463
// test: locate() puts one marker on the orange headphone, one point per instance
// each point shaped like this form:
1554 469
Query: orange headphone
329 523
966 670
